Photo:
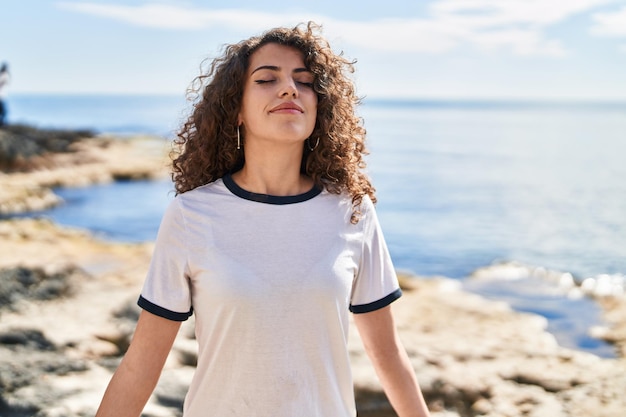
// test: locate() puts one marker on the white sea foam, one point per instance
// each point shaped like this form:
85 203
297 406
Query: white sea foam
602 285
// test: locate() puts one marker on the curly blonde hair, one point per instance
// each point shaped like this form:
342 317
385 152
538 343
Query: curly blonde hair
205 147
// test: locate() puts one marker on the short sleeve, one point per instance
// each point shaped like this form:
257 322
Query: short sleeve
376 284
166 290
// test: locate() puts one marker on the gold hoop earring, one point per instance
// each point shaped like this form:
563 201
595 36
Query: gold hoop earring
238 139
308 144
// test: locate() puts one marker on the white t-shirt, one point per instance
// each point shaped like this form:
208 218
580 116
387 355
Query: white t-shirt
271 281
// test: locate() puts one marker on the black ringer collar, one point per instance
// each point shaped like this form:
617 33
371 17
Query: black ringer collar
266 198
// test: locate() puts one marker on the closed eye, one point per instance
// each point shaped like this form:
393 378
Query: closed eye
309 85
263 81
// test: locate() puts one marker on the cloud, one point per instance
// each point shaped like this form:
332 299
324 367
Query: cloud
517 26
610 23
439 36
506 12
163 16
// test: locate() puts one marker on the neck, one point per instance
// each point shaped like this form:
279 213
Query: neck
273 171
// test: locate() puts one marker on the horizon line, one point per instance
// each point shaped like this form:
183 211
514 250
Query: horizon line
401 100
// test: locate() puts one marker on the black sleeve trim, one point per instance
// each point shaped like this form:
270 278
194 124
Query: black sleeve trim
376 305
163 312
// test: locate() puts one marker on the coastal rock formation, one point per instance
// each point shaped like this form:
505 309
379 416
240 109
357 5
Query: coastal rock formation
75 311
25 148
34 161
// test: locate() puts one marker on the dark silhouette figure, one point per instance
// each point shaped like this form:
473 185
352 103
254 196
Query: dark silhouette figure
4 80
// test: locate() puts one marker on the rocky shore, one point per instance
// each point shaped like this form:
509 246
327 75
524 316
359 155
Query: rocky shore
68 309
34 161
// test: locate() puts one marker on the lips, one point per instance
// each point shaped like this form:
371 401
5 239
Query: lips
287 107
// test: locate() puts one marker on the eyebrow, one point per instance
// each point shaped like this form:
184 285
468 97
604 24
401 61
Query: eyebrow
276 68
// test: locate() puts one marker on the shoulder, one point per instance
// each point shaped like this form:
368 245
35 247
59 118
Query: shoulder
202 192
365 210
367 203
195 200
342 201
366 213
211 187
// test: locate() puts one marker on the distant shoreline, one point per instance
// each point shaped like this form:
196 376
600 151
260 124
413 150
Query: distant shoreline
33 161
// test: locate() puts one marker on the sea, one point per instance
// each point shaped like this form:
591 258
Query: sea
528 196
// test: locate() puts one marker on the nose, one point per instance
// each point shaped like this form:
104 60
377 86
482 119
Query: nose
289 89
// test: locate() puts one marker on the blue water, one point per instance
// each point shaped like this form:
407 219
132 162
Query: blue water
460 184
462 187
158 114
127 211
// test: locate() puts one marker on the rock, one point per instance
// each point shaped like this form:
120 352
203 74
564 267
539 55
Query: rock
20 283
187 351
482 406
615 314
31 338
27 361
23 147
171 393
119 337
19 196
100 348
478 357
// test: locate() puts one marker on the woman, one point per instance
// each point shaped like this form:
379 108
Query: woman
271 240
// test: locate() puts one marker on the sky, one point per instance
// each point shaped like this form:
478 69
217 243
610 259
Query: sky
567 50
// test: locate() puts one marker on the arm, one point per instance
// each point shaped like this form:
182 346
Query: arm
138 373
391 362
